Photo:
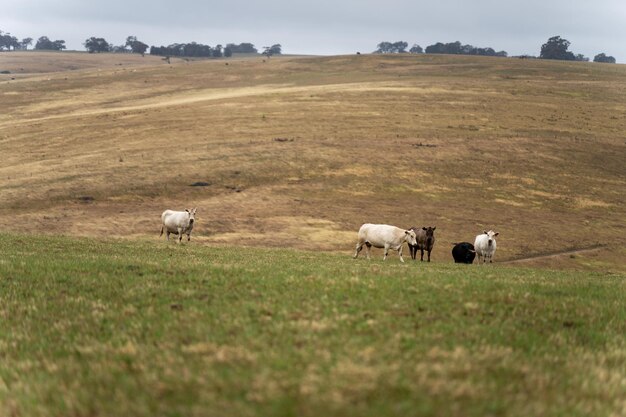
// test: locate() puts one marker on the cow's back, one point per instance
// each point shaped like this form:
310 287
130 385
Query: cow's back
174 219
166 214
380 234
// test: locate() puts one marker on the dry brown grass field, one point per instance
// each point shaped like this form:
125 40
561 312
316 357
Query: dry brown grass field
299 151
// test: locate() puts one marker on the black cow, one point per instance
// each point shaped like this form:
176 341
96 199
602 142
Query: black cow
463 253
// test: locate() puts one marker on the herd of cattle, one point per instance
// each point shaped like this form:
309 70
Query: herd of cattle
377 235
392 237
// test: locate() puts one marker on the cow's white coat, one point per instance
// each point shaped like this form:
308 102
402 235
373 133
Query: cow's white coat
178 223
485 246
383 236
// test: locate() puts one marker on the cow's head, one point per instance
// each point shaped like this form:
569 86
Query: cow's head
492 236
410 237
192 214
430 232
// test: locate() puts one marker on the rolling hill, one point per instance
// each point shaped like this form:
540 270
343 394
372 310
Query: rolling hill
299 151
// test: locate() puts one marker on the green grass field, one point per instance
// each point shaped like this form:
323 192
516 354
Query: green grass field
93 327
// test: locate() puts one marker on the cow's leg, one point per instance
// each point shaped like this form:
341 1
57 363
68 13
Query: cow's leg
428 256
386 252
359 247
421 254
161 232
188 236
180 235
400 253
167 235
368 246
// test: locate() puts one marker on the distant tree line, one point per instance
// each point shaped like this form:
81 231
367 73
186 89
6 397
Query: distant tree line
242 48
9 42
192 49
555 48
455 48
133 45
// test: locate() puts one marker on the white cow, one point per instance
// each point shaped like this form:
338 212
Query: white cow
383 236
485 245
178 223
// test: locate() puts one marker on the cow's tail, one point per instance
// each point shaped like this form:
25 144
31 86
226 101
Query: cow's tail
161 232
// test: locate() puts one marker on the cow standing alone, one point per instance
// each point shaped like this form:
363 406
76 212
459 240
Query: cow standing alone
178 223
425 241
383 236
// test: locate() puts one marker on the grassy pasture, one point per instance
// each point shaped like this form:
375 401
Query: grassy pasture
117 327
305 149
99 318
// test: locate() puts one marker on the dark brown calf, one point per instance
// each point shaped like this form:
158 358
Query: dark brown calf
425 237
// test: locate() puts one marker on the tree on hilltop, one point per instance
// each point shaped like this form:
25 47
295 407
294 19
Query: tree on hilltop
275 49
385 47
43 43
557 48
25 43
242 48
136 47
94 44
416 49
604 58
7 41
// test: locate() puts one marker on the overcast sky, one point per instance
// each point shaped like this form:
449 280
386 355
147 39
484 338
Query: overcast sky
327 27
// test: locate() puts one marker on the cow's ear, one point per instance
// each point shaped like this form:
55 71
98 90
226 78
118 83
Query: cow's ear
424 228
434 227
485 232
407 232
187 210
496 234
194 210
